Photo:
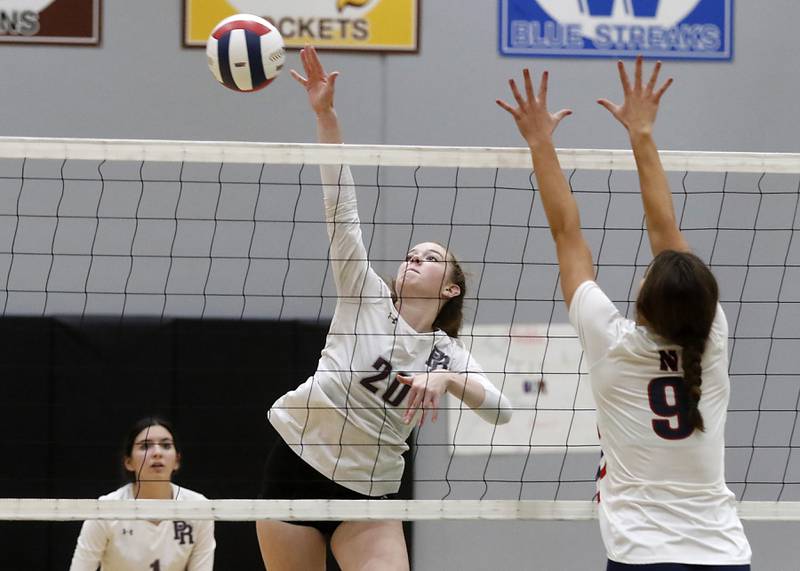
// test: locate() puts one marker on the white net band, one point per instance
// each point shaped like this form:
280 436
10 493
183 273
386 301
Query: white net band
336 510
379 155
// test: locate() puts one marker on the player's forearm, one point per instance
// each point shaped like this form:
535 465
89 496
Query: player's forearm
656 196
328 128
559 204
470 392
484 399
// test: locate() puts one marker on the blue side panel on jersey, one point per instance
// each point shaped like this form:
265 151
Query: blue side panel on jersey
223 47
257 75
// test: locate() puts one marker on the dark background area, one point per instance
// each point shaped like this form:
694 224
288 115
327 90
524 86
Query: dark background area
72 389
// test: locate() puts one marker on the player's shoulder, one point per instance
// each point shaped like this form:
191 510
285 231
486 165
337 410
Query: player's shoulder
123 493
443 342
185 494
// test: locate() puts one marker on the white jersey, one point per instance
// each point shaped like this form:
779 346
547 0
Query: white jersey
139 545
661 484
346 420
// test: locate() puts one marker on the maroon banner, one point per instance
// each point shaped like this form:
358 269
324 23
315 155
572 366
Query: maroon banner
50 21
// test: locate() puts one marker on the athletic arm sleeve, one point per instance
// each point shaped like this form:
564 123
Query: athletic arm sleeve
495 408
91 546
202 558
351 270
596 320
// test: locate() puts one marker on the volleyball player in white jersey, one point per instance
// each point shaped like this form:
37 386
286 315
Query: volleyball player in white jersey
660 382
388 359
150 457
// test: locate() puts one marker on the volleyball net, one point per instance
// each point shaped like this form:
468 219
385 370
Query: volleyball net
165 230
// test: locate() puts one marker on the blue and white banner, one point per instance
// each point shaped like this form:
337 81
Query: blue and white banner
667 29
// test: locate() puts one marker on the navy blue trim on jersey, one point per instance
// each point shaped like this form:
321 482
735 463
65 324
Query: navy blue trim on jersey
257 74
223 48
614 566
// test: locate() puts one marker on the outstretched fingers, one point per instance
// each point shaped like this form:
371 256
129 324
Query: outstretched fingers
623 77
638 73
414 396
613 108
515 92
514 112
332 79
663 89
651 85
559 115
313 61
543 87
526 74
434 406
299 78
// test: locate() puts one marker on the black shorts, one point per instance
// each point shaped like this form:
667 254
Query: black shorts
289 477
614 566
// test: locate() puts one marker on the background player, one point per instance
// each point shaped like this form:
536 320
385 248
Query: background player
664 503
151 456
390 355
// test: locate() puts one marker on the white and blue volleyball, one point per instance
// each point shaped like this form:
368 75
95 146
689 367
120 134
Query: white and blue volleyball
245 52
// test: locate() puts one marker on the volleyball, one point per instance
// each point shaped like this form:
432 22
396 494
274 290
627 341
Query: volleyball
245 52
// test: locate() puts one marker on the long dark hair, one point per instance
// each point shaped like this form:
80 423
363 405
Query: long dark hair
133 432
451 315
678 300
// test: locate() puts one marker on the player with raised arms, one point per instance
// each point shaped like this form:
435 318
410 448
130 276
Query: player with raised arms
150 457
390 355
660 382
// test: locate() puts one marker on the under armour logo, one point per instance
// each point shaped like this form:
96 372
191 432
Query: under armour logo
182 530
393 318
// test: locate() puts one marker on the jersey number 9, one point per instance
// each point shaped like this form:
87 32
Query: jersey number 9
660 404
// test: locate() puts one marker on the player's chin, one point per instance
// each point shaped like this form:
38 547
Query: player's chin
158 473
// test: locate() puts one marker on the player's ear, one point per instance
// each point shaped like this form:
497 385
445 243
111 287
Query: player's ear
177 462
127 463
451 291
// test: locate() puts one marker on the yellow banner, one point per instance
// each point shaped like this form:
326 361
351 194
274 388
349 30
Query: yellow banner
379 25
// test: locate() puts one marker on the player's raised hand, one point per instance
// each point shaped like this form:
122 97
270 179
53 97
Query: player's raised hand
426 392
640 106
534 121
319 85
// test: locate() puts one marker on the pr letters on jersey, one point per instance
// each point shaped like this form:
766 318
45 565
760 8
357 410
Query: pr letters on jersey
666 29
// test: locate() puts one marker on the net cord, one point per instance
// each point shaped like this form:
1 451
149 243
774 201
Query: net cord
27 509
378 155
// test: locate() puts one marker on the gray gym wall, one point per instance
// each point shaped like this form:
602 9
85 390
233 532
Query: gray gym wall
142 84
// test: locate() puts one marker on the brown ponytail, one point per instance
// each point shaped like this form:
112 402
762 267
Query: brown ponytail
678 300
692 379
452 313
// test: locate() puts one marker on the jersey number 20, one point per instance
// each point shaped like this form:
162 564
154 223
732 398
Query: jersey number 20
660 404
391 395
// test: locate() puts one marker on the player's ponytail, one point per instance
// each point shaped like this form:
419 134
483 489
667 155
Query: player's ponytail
678 301
452 313
692 356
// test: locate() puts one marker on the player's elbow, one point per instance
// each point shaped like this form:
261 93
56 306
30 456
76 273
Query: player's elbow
503 415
